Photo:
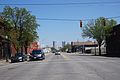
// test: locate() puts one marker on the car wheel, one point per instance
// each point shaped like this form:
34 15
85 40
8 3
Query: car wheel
12 61
43 57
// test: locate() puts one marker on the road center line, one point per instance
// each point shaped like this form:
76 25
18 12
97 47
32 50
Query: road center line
65 57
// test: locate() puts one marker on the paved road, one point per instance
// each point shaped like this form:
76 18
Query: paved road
64 67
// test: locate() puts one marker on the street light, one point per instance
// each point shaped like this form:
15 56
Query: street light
6 47
6 37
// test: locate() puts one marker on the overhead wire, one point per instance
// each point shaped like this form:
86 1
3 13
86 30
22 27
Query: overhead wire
72 3
63 19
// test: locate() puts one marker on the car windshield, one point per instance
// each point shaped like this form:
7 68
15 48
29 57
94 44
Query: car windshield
37 52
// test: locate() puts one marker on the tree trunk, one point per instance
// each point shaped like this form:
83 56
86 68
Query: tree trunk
17 50
26 47
25 50
99 44
21 49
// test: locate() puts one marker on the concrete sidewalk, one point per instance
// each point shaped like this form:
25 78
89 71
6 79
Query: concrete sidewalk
3 62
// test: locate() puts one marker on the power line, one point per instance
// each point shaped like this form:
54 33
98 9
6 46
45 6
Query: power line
73 3
58 19
113 17
48 19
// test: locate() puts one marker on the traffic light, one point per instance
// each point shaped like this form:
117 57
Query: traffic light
80 23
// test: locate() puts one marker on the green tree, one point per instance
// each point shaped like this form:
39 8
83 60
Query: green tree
21 26
98 29
66 47
28 30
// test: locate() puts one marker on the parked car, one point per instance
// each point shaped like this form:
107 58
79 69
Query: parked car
37 55
53 51
57 53
69 51
19 57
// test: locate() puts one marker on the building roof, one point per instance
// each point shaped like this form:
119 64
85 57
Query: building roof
84 43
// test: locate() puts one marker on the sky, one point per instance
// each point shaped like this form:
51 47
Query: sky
68 31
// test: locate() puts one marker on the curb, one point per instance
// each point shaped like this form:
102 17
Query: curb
3 62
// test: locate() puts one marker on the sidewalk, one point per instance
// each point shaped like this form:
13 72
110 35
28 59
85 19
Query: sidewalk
3 62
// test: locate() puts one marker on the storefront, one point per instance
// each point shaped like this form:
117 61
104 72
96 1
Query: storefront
4 43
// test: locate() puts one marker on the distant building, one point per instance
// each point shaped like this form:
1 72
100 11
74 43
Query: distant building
46 49
63 43
54 44
113 42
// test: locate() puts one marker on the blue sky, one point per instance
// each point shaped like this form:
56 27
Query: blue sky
65 30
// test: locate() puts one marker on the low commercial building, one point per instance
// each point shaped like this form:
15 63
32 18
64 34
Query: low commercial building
85 47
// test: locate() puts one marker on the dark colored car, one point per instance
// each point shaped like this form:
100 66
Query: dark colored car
69 51
53 51
37 55
19 57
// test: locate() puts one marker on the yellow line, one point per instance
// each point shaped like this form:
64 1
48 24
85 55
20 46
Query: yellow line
45 60
65 57
47 54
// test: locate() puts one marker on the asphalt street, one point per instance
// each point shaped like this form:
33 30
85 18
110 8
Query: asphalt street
67 66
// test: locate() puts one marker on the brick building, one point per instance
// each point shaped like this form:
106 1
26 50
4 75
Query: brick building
113 42
33 46
4 42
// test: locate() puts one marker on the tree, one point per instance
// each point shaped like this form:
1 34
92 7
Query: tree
98 29
21 26
28 31
66 47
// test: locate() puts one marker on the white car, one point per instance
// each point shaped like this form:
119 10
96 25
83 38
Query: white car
57 53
